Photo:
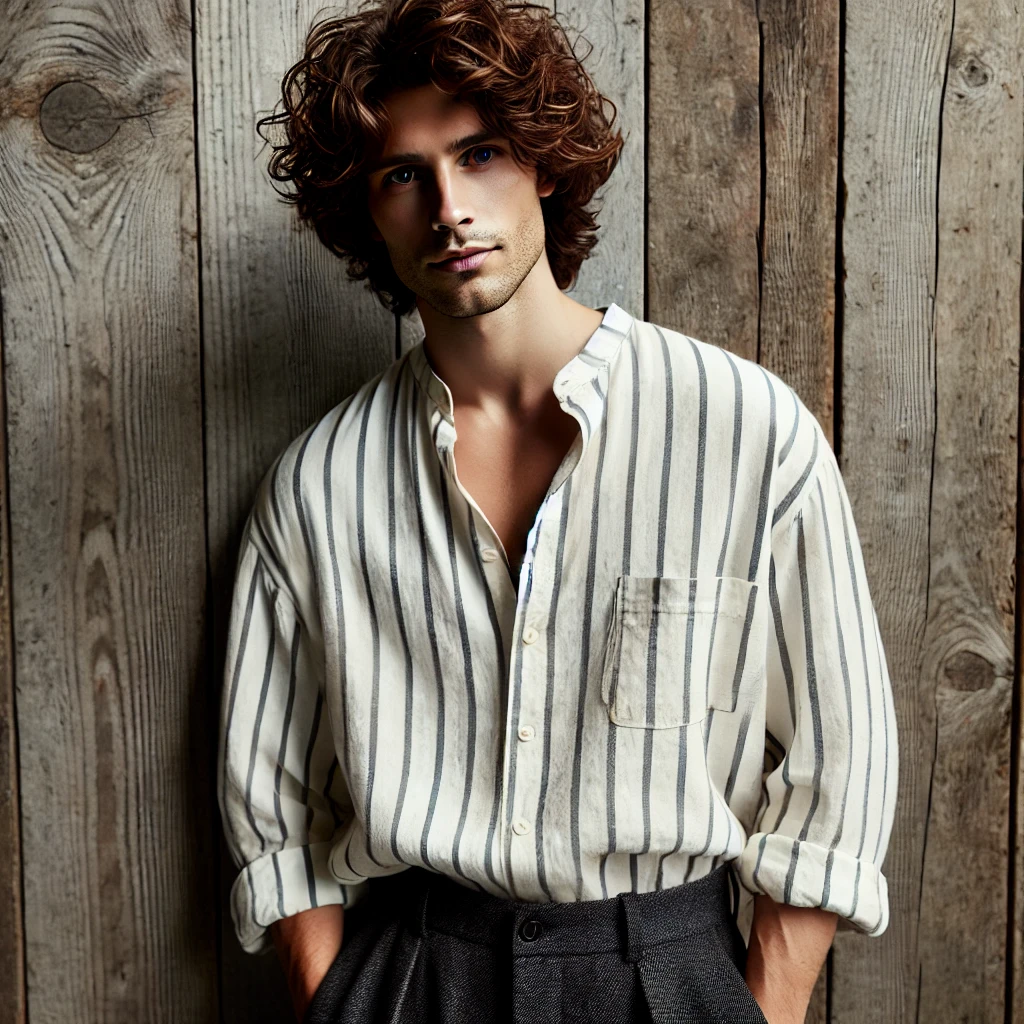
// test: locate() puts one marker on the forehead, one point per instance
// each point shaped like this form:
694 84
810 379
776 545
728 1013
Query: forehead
426 118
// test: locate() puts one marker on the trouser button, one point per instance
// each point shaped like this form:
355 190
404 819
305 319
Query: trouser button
530 930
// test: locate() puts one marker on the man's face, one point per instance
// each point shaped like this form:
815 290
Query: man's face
426 201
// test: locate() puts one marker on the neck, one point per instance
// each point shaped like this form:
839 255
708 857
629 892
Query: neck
503 363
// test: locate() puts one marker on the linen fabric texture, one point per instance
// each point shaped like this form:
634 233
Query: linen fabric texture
688 672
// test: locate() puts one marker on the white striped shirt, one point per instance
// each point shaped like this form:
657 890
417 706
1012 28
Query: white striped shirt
691 671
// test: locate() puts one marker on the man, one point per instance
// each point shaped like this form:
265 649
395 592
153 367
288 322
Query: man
558 626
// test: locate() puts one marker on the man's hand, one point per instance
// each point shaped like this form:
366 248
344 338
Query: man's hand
307 944
787 947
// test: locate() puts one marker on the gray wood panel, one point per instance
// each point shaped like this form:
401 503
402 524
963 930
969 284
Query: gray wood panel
800 124
286 336
893 105
968 644
105 463
703 171
12 943
614 272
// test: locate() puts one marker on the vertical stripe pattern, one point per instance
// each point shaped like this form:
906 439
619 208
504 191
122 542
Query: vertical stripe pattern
688 671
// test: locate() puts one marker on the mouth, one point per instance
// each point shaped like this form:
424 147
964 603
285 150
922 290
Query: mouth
469 260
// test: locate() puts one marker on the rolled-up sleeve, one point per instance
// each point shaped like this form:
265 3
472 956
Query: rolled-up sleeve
822 828
282 795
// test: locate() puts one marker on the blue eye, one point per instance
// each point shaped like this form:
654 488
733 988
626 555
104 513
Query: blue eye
389 179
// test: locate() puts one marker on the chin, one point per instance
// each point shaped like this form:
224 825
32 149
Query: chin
460 303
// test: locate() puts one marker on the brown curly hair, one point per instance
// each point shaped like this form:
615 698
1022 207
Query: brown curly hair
512 61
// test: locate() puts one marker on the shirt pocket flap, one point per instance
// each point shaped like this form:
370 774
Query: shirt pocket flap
677 647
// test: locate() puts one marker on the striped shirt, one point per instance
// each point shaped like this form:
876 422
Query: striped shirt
689 671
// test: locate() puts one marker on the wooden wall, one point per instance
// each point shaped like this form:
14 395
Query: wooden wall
834 190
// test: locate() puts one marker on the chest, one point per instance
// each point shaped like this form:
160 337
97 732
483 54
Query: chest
508 472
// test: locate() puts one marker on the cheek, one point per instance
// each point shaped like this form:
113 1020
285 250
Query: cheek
386 205
508 187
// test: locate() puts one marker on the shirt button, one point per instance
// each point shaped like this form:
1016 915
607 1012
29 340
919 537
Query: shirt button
489 554
526 732
520 827
529 635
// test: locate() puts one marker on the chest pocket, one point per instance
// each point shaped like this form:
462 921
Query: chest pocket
677 647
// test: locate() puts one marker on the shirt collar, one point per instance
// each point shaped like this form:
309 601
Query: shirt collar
587 367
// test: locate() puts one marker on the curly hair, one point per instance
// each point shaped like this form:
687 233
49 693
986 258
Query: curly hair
512 61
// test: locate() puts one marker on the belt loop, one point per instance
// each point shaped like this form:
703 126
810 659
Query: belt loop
424 896
631 927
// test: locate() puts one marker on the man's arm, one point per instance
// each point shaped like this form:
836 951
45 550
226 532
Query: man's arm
282 793
818 839
307 944
787 947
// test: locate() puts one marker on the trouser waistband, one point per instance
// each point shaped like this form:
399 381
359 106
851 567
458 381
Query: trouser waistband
630 922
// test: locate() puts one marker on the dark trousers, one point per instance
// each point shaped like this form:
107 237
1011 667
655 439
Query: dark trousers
420 948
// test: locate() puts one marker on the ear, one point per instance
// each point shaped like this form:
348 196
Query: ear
545 185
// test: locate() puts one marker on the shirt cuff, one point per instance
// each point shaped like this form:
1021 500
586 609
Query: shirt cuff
804 874
282 883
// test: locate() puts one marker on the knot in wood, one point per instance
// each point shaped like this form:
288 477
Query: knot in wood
968 671
77 117
976 74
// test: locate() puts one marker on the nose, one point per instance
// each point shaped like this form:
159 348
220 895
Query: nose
450 207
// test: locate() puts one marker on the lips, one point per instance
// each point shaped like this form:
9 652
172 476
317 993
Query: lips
465 260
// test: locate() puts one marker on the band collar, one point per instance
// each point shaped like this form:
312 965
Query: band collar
589 366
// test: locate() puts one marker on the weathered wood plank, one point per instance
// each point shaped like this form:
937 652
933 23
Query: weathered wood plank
614 272
800 115
101 362
286 337
703 171
12 935
800 98
894 70
968 658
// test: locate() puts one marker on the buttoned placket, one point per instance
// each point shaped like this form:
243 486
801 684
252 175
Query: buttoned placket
530 618
530 622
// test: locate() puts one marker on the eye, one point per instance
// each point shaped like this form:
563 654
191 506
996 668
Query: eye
389 179
485 149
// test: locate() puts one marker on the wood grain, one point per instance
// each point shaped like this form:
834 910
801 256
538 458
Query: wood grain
286 336
800 114
12 934
105 464
614 272
968 643
703 171
893 104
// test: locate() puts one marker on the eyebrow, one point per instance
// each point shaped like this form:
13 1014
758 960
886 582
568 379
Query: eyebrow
416 158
